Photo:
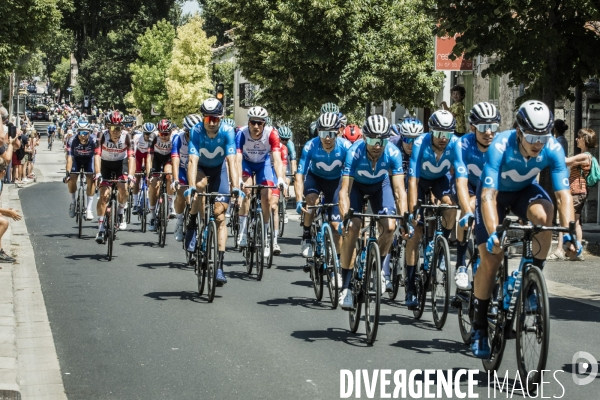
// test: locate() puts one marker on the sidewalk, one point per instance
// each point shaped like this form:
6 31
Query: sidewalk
29 367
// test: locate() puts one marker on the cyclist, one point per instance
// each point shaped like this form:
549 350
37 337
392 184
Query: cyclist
255 144
329 108
211 152
179 159
366 173
113 157
429 169
285 137
51 133
409 130
275 193
514 160
320 170
469 160
81 156
352 133
142 141
159 160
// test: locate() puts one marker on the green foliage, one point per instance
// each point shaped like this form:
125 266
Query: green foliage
149 70
546 44
60 76
24 25
187 78
303 53
223 72
60 43
213 25
30 65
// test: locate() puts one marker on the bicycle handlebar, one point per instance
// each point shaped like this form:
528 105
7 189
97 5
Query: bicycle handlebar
327 205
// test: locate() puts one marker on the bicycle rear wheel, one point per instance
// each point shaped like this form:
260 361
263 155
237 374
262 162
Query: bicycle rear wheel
372 291
533 326
212 260
281 210
259 245
164 218
420 278
356 288
440 288
79 210
332 268
129 206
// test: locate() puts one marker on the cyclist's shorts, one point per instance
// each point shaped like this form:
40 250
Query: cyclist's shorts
263 171
470 187
440 187
160 160
329 187
183 176
140 161
218 181
87 163
114 170
381 197
517 202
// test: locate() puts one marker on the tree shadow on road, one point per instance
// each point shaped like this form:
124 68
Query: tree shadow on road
334 334
183 295
571 310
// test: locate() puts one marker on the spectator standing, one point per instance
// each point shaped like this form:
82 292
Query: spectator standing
5 212
457 109
559 133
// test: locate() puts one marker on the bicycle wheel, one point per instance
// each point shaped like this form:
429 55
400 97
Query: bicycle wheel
248 251
498 329
316 266
200 260
440 288
420 278
142 211
281 210
212 260
164 218
372 291
465 315
354 315
332 268
533 326
396 266
79 210
270 238
259 245
235 225
129 206
109 229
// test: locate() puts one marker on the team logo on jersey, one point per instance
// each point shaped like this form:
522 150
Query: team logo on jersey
329 168
371 176
474 169
489 180
436 170
516 177
394 152
566 182
464 144
554 145
217 152
462 170
501 147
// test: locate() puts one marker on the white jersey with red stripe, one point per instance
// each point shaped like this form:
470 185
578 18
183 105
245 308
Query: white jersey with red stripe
141 144
110 151
161 147
258 150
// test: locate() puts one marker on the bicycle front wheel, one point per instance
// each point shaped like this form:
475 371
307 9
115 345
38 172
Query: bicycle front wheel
420 280
332 268
259 245
129 206
110 228
200 260
79 210
142 211
533 326
372 291
397 258
270 238
281 211
440 293
235 224
356 288
212 260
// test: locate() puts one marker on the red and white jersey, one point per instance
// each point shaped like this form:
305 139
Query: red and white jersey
142 145
111 151
160 147
258 150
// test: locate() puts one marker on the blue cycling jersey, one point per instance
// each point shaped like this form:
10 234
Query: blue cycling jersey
359 167
291 150
327 165
468 159
423 160
211 152
506 170
181 149
51 128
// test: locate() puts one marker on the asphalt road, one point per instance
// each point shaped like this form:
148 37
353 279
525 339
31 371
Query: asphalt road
134 328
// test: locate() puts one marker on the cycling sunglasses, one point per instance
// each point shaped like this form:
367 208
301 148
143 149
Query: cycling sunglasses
533 139
484 127
116 128
327 134
442 134
376 141
211 118
409 140
256 122
83 133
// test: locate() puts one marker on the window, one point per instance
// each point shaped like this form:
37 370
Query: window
494 90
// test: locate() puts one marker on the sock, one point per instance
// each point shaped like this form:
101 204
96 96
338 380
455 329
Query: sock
410 279
90 203
136 198
243 220
73 197
266 228
385 263
461 254
275 234
193 223
481 309
152 213
346 278
305 232
539 263
101 224
170 201
446 232
221 257
121 208
179 217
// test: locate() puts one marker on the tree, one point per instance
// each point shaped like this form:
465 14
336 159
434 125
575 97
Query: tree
548 45
24 25
60 76
305 52
60 44
213 25
188 78
149 70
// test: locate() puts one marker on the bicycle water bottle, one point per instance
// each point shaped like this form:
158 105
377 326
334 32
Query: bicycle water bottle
428 255
509 286
363 261
204 240
475 266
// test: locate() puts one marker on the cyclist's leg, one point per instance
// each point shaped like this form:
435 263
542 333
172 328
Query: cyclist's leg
168 169
264 176
220 184
139 161
104 193
382 202
180 199
247 170
412 246
153 189
336 218
536 206
348 244
442 190
122 187
72 184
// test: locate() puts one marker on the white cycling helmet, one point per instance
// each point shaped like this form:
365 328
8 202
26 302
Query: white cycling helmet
484 113
191 120
328 121
258 112
411 128
535 117
442 120
376 126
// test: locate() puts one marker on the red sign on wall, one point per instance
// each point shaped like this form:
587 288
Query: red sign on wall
443 49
